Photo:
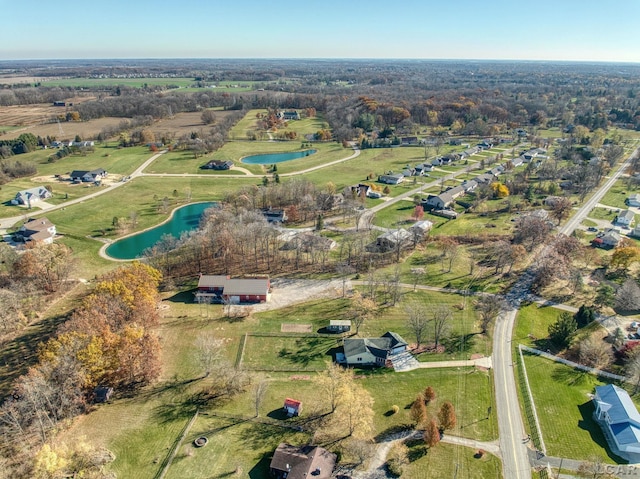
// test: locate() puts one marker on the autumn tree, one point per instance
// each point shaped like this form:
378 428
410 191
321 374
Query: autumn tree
208 117
418 411
594 353
624 256
447 416
48 265
397 458
429 394
628 296
500 190
561 208
431 434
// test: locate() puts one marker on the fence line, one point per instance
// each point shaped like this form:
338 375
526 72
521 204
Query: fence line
597 372
538 439
176 447
241 346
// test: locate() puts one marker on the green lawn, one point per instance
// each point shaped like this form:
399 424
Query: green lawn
288 353
599 213
617 194
130 82
447 460
567 412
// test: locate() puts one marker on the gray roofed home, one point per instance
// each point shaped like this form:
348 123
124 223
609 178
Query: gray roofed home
302 462
443 200
373 351
32 195
88 176
619 419
391 178
625 217
633 200
390 241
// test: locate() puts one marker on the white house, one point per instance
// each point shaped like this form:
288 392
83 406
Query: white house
391 178
30 196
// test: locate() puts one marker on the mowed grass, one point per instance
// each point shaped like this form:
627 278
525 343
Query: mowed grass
447 460
566 414
287 353
183 161
617 195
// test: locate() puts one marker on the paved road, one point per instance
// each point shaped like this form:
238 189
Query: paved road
6 223
515 463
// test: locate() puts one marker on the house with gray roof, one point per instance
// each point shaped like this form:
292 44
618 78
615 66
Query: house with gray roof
390 241
391 178
443 200
373 351
37 230
85 176
30 196
625 218
633 200
619 419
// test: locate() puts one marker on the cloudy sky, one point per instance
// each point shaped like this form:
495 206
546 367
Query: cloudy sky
585 30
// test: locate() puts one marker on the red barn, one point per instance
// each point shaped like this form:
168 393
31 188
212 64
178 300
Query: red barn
235 291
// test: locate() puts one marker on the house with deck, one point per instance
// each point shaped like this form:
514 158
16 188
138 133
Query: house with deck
619 419
373 351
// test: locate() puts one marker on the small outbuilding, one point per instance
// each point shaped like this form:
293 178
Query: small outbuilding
292 407
339 325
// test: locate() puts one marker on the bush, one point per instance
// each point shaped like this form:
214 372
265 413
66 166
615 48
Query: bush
395 409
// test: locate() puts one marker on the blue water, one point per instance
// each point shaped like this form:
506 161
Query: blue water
184 219
270 158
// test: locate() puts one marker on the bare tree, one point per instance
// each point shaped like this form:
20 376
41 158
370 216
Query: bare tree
488 307
208 350
595 353
417 320
441 317
259 393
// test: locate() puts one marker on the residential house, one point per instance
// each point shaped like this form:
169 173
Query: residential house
470 151
496 171
273 215
292 407
625 218
30 196
37 230
485 144
633 200
443 200
485 178
339 325
360 190
436 162
218 165
82 144
607 239
373 351
374 194
391 178
390 241
308 242
409 140
420 229
422 169
449 214
218 288
515 162
619 419
84 176
289 115
302 462
408 172
469 185
635 232
521 132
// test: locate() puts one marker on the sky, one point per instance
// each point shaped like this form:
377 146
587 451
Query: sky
574 30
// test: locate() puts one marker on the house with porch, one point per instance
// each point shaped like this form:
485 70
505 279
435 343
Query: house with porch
302 462
373 351
619 419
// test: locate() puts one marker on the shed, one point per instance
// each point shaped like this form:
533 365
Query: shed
339 325
292 407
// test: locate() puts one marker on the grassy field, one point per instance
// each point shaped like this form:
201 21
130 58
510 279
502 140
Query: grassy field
617 194
567 413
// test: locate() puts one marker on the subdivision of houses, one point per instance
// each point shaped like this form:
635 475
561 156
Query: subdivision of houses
373 351
31 196
302 462
36 230
219 288
619 419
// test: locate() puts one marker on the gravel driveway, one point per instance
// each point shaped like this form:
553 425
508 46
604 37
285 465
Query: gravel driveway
285 292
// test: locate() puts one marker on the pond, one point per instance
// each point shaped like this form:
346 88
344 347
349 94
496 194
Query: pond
186 218
270 158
